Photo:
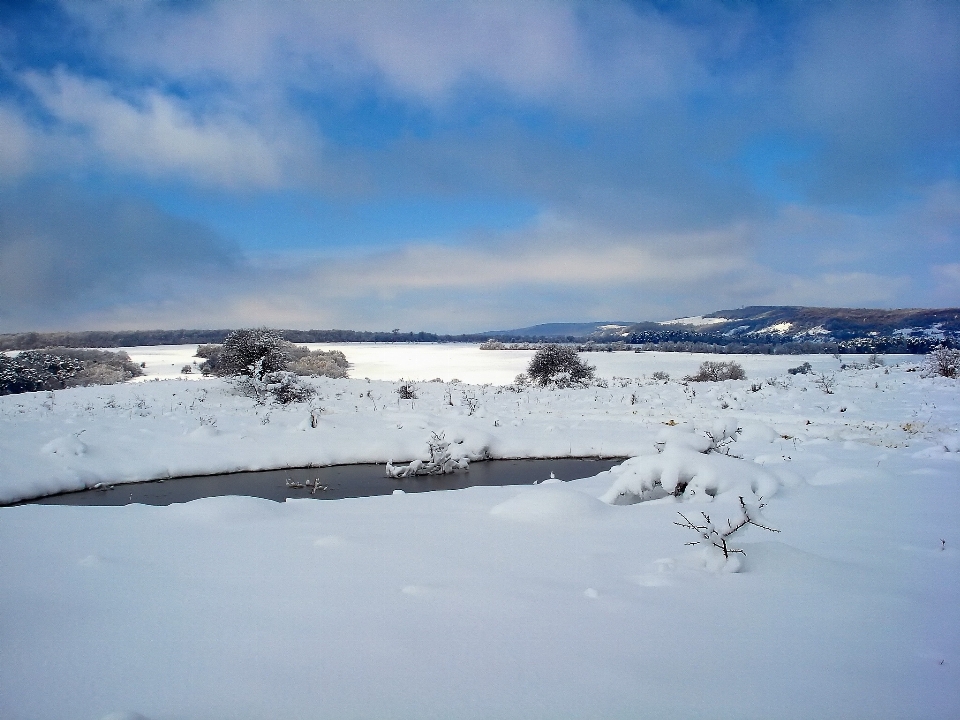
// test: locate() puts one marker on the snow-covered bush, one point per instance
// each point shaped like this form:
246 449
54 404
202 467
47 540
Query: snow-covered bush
281 386
208 351
320 363
713 371
441 461
689 467
520 383
660 375
801 369
35 370
55 368
249 353
287 387
244 348
559 366
943 362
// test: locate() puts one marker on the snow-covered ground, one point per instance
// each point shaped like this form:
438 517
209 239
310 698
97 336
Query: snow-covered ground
466 362
508 602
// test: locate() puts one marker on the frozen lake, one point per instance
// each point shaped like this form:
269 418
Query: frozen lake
466 362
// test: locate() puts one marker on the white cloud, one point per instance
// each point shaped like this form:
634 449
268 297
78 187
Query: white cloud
16 145
562 52
851 289
946 290
157 134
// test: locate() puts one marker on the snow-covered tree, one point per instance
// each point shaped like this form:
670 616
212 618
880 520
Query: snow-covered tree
251 353
559 366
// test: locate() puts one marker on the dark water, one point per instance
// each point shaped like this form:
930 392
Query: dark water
339 481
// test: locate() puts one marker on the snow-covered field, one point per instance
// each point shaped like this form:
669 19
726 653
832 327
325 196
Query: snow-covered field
455 361
515 602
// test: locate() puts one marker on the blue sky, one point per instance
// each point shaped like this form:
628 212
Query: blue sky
457 167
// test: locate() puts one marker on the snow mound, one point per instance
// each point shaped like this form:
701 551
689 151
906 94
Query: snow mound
711 560
204 432
840 474
689 475
227 509
550 504
759 433
65 446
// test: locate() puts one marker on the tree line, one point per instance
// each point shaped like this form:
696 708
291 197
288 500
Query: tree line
666 340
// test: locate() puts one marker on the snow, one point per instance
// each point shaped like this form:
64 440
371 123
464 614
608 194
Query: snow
466 362
507 602
695 320
934 331
779 328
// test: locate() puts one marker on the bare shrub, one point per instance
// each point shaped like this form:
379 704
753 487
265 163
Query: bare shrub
713 371
715 537
826 383
660 375
942 362
407 391
802 369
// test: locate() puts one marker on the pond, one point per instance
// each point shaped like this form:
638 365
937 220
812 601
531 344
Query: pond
329 483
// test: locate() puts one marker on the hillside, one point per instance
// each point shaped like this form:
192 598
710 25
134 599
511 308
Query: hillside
837 323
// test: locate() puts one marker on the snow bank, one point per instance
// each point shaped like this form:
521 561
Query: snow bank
550 503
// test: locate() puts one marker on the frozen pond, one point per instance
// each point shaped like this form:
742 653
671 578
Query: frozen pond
331 483
467 362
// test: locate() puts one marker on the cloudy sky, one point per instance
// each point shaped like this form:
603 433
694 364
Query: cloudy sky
458 167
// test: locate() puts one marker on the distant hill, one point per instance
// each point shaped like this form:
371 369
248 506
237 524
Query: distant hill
797 329
784 321
835 323
770 328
